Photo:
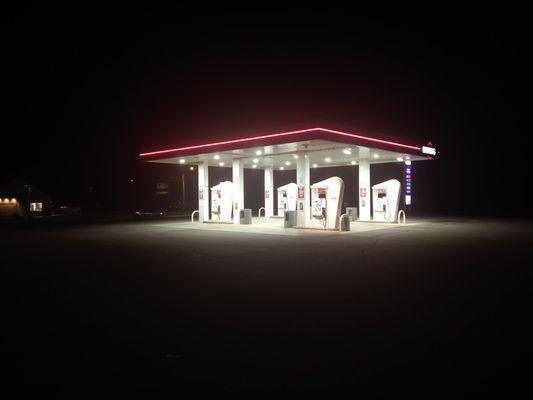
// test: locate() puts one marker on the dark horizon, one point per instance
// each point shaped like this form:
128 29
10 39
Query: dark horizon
88 93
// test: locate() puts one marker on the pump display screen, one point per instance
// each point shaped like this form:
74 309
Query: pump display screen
381 200
215 209
319 205
283 200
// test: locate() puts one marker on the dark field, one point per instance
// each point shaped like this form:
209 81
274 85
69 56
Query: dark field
125 308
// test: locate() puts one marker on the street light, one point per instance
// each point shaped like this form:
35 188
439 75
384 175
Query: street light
29 192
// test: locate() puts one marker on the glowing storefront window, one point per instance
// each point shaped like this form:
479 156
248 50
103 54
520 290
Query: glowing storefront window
36 207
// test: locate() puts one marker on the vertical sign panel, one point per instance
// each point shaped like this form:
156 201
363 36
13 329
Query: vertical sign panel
408 183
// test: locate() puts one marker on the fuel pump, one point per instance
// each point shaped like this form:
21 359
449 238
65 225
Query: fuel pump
282 201
287 198
320 206
386 200
326 201
382 203
222 201
216 198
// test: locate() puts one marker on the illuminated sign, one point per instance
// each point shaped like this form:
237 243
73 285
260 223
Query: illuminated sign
432 151
408 183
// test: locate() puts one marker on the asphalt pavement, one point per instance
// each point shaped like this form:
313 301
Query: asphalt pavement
438 306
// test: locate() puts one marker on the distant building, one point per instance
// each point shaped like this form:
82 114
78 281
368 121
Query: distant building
20 198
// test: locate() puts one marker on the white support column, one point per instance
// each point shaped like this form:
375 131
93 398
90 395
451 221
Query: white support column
303 211
238 189
203 191
269 192
365 193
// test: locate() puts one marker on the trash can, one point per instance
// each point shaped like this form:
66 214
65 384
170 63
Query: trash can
352 212
345 222
245 216
290 219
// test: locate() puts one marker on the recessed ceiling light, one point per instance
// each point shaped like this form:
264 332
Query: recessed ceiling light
327 159
315 165
376 155
295 156
254 166
282 168
399 159
354 162
182 161
216 157
255 160
347 152
221 164
258 152
287 163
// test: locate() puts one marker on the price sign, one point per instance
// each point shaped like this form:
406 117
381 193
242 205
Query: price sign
408 177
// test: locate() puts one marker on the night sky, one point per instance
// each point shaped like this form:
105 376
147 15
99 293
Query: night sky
88 89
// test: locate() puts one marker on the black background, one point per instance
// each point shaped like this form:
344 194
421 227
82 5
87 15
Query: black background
87 89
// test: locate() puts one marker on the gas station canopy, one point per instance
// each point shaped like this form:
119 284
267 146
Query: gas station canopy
298 150
323 147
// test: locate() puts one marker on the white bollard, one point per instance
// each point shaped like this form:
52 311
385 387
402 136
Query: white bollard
192 215
400 213
340 221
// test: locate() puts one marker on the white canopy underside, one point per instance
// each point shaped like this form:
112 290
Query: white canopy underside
321 153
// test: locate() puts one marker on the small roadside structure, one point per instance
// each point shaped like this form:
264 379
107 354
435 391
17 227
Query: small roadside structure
19 198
